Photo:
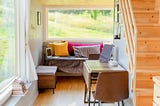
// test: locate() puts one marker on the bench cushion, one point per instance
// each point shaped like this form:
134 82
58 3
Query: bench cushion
46 70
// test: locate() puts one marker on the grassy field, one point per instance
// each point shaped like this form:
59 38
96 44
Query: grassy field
59 26
7 38
7 57
6 66
3 47
79 26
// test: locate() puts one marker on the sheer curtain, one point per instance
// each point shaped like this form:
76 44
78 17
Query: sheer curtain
26 62
31 74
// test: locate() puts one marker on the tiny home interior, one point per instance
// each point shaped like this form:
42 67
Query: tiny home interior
46 35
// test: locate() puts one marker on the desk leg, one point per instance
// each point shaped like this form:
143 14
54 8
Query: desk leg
85 94
87 90
89 96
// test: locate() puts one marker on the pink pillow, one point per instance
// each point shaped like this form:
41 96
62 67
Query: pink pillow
71 44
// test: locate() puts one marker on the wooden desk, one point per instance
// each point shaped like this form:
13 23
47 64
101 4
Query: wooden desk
92 67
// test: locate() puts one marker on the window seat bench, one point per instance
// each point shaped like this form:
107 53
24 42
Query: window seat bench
69 65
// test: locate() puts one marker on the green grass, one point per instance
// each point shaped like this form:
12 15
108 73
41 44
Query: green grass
78 26
7 57
5 39
3 48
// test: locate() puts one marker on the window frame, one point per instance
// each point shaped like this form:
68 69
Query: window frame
6 85
45 24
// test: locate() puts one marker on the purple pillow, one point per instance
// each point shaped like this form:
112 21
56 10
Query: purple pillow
71 44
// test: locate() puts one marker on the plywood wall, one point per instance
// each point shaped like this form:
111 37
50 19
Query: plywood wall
103 3
157 5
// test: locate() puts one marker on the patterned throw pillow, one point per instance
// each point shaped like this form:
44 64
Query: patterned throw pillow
84 51
71 44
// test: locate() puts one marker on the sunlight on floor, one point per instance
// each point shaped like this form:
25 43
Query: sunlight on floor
69 92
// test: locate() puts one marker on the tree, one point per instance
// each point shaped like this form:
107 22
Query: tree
94 14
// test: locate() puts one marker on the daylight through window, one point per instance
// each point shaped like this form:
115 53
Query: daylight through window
80 24
7 41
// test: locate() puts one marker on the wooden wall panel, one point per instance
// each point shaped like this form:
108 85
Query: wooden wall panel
148 45
146 16
148 59
144 100
148 30
148 5
144 97
157 7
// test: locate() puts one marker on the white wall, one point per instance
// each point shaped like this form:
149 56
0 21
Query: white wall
35 34
122 59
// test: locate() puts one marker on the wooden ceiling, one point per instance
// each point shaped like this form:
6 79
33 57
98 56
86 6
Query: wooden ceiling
81 3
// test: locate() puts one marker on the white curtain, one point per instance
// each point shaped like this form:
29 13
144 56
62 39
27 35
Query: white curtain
31 74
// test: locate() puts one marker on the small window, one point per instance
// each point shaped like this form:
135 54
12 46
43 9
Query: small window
92 24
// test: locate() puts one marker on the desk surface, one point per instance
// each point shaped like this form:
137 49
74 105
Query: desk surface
96 66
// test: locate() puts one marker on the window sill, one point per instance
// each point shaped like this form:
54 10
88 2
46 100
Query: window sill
5 95
13 100
107 40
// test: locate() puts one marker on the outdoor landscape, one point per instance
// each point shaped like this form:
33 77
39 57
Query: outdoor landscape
7 39
61 24
80 24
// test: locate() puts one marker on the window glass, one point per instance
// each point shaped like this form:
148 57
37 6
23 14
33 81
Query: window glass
7 40
80 24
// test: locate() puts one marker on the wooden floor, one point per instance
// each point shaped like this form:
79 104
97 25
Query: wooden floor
69 92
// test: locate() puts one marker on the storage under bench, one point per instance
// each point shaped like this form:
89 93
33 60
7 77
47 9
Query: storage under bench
46 77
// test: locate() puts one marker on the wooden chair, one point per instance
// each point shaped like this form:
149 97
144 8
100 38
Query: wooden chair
94 76
111 87
93 56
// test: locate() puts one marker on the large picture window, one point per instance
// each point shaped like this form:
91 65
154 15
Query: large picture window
94 24
7 41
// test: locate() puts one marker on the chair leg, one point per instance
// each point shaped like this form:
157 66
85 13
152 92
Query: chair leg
85 93
94 102
122 103
99 103
118 104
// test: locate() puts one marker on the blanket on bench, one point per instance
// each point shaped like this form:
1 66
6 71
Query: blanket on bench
70 64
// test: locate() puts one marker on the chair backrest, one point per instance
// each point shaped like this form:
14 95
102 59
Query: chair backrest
112 86
93 56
